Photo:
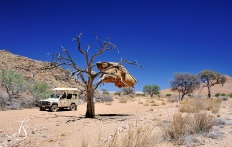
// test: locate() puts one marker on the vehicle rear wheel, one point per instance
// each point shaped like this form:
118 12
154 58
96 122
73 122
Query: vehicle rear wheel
73 107
54 108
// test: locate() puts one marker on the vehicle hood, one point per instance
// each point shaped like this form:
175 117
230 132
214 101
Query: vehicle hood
50 100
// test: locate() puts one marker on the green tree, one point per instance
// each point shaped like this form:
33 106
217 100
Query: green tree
13 82
210 78
104 91
151 89
39 90
184 83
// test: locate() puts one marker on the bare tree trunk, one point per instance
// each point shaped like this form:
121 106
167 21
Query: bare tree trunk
209 94
182 97
90 111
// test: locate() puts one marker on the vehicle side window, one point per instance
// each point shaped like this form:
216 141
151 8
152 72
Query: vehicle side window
69 96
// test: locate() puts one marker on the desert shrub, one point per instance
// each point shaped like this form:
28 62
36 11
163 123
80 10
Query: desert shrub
132 99
151 101
123 99
116 97
4 99
224 98
196 105
163 103
222 94
222 122
128 90
217 94
230 94
140 102
104 91
154 104
145 104
27 103
104 98
117 93
167 95
173 99
140 94
183 126
80 101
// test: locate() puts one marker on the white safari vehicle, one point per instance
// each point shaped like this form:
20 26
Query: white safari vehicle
61 99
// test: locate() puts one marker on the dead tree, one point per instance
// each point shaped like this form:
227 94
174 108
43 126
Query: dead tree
184 83
112 72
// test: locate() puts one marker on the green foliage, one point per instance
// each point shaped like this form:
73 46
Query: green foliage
39 90
217 94
167 95
12 81
230 94
151 89
104 91
210 78
117 93
140 94
222 94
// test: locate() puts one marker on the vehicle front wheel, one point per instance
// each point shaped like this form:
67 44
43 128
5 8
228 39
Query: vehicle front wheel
54 108
73 107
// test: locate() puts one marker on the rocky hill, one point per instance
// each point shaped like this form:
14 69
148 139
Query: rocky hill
26 66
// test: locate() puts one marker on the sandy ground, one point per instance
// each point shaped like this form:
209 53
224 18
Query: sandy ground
71 129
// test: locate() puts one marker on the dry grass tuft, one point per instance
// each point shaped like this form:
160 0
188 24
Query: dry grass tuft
132 99
135 136
152 101
108 103
154 104
145 104
183 126
122 100
196 105
140 102
151 109
163 103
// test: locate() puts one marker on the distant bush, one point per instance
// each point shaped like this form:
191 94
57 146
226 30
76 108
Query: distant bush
222 94
104 98
217 94
230 94
140 94
168 95
128 90
117 93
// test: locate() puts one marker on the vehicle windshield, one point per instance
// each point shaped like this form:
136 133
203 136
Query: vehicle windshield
54 95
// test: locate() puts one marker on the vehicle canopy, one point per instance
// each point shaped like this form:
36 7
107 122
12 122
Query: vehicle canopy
65 94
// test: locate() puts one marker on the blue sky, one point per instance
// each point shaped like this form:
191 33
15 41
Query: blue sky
164 36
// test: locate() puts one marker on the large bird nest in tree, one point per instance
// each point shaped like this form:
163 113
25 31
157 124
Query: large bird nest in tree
113 72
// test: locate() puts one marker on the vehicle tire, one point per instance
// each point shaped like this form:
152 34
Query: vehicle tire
41 109
54 108
73 107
